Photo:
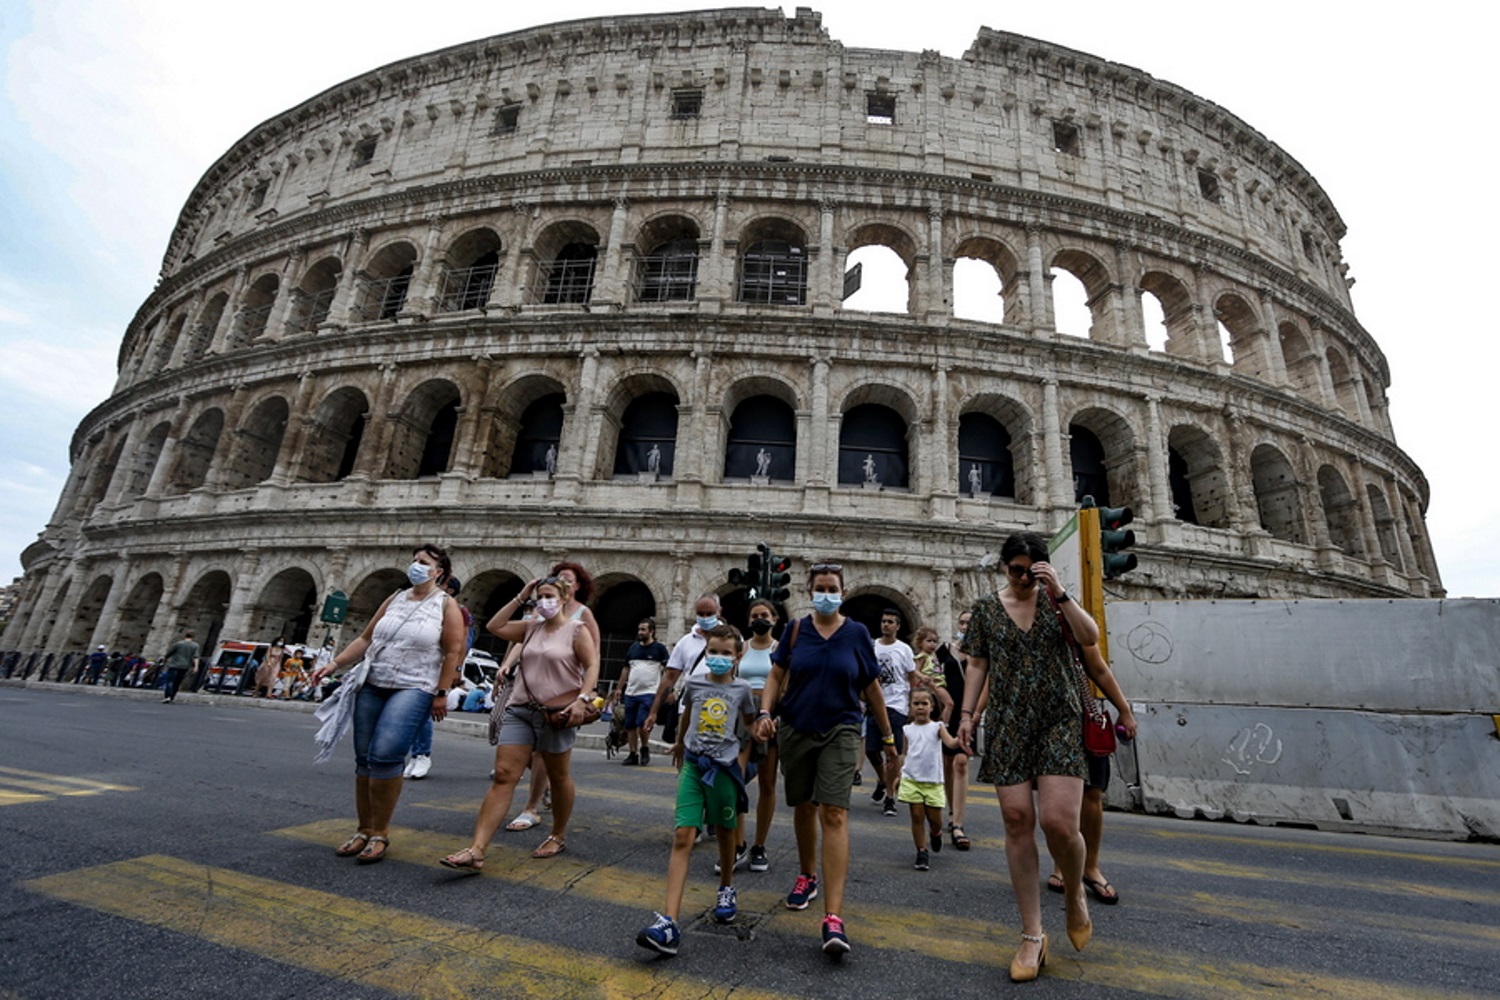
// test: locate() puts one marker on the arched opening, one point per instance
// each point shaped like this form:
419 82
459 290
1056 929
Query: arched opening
484 594
166 345
257 445
285 608
314 297
985 282
648 435
143 464
539 436
885 255
137 612
1167 310
866 604
96 486
1340 512
86 614
255 309
873 448
1079 285
205 607
366 597
425 429
195 452
762 440
1277 494
986 467
566 254
668 270
469 276
1103 458
1385 526
1301 362
1195 473
1242 336
622 601
207 326
1343 383
332 443
773 264
386 280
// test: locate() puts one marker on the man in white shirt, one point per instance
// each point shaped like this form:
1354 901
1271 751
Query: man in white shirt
897 665
636 690
686 660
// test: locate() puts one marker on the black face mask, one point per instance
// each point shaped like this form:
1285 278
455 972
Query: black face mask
760 626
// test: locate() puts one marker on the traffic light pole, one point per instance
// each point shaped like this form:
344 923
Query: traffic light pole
1091 566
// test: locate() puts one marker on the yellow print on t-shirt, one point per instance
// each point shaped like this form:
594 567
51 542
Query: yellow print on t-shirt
712 717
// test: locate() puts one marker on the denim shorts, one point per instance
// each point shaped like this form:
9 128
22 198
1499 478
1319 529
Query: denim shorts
637 707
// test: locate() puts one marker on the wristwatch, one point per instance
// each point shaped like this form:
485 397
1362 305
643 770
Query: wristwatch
441 693
1063 598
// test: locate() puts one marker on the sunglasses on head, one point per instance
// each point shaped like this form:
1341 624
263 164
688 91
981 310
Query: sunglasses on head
827 568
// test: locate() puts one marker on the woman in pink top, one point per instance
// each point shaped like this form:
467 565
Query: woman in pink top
559 667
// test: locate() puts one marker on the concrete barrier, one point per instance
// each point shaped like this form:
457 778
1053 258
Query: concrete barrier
1369 715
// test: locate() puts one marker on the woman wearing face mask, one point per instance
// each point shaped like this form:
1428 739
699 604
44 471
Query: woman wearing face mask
822 668
1034 727
558 669
415 646
580 589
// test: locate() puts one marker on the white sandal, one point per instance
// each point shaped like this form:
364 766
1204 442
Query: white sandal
525 821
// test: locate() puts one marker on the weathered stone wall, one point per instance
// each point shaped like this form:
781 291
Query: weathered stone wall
387 257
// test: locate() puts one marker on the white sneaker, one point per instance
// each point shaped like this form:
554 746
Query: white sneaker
420 766
411 765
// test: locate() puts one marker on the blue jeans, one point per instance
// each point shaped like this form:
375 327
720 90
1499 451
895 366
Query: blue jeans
385 724
422 745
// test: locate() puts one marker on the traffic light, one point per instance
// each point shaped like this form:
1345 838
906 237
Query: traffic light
1114 538
755 572
778 578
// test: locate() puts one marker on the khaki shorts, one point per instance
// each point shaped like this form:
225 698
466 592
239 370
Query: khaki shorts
818 767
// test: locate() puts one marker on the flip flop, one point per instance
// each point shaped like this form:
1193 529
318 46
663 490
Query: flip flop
1101 890
353 845
1055 883
525 821
369 856
542 852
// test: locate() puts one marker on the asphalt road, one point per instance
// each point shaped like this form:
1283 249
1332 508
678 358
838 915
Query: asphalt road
184 850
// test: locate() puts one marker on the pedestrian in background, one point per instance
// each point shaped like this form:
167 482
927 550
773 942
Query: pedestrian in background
182 657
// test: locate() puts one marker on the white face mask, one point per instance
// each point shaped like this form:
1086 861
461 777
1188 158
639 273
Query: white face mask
418 573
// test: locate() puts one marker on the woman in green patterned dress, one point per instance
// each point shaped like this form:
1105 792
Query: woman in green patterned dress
1033 725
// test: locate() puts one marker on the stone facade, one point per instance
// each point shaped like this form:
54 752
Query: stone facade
462 297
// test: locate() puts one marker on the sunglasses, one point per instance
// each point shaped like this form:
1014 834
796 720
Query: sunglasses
827 568
1018 571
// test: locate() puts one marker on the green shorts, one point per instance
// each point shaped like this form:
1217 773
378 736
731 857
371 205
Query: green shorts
699 805
926 793
818 767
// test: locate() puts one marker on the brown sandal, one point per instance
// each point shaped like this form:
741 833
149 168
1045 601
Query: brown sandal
468 860
352 846
366 858
542 852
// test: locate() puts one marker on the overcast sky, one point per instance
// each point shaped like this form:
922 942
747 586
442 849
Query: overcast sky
111 111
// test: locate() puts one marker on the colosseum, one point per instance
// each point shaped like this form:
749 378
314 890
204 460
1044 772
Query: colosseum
580 291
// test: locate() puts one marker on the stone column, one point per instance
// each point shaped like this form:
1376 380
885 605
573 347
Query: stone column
610 284
1374 551
942 444
224 452
1275 361
462 453
1130 328
298 421
1205 323
716 274
104 628
1157 464
578 453
936 289
422 294
241 598
230 318
375 443
340 310
33 637
1361 400
1059 478
1242 506
487 390
1401 528
1038 283
168 455
1320 357
121 478
824 278
286 296
822 448
942 600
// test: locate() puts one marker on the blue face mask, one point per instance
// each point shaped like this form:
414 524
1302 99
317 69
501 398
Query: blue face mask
708 622
418 573
719 665
826 604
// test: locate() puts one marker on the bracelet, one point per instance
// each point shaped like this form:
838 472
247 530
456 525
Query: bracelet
965 711
889 739
763 714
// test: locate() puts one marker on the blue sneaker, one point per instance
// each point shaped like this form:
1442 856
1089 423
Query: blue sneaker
804 891
725 909
662 936
835 941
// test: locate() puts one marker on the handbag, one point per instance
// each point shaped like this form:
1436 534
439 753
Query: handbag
1098 727
556 715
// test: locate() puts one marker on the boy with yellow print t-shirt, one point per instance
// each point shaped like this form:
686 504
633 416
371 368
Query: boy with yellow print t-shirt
717 708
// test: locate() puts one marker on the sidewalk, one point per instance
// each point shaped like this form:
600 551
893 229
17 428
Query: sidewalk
475 724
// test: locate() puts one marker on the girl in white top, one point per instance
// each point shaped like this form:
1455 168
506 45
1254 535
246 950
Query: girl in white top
755 667
922 774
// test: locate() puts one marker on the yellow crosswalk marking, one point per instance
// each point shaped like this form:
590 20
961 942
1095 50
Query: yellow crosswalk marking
965 940
19 786
1224 869
360 942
